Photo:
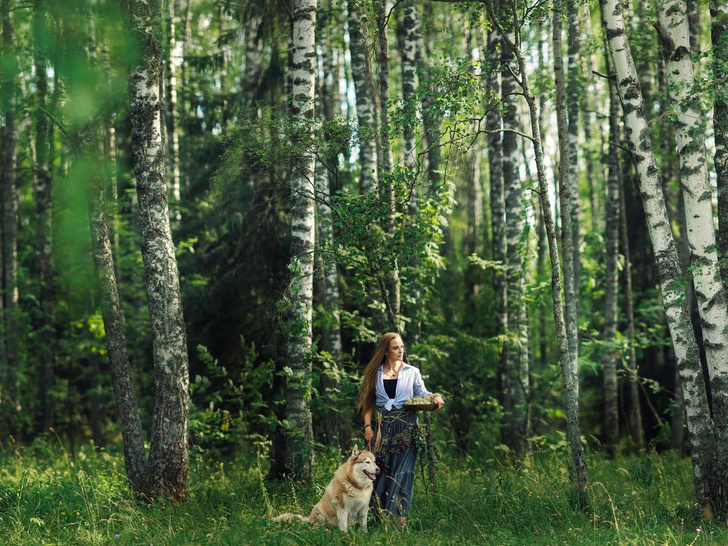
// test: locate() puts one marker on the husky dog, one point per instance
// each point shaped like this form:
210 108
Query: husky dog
347 496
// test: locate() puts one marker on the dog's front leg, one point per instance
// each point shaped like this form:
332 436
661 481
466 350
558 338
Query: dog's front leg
363 519
343 518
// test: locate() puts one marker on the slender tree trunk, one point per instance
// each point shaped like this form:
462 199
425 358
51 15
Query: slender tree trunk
252 73
592 147
410 35
543 42
299 435
168 455
565 188
700 424
386 160
430 117
110 156
44 212
127 407
173 66
498 227
366 106
611 237
690 130
571 403
719 36
573 98
337 422
635 413
8 260
518 356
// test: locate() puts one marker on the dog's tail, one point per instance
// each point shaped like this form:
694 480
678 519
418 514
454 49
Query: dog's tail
289 517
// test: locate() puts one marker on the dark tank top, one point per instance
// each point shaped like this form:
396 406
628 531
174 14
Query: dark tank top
390 387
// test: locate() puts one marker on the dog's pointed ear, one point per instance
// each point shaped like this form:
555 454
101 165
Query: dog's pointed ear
355 452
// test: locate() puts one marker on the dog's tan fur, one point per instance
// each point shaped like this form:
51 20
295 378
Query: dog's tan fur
346 498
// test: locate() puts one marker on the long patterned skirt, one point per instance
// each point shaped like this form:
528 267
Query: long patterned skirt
396 455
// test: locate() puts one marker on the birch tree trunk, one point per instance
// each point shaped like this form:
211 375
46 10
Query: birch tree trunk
410 35
635 415
565 201
366 106
573 98
611 237
252 73
700 424
173 66
168 455
337 420
518 355
498 226
44 212
719 38
298 459
430 117
386 160
409 45
8 259
571 402
690 130
93 150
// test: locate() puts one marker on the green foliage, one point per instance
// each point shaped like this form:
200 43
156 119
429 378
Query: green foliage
229 410
47 495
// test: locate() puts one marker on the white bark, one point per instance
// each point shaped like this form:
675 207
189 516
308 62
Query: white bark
168 456
719 38
299 438
366 106
566 202
518 354
571 403
175 64
411 27
700 426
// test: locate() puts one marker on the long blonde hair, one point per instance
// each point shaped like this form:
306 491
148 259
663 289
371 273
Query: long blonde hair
367 394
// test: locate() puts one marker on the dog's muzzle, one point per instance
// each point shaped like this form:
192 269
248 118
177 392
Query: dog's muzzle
370 475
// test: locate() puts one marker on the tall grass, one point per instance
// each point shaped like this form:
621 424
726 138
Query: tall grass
50 497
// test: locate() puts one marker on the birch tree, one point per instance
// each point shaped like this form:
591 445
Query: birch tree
93 151
518 355
174 63
565 199
700 425
719 38
410 37
168 455
43 178
386 159
573 100
366 105
571 402
611 238
498 222
298 459
8 262
336 422
690 130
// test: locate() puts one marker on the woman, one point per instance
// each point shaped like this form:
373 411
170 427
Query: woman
388 383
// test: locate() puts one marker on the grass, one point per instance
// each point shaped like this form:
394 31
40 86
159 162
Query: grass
49 497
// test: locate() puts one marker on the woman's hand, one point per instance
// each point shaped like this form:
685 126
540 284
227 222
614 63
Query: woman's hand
368 436
438 400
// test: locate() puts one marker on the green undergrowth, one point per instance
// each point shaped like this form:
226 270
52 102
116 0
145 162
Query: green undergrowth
48 496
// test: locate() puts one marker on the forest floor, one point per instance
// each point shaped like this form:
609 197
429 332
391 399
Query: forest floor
48 496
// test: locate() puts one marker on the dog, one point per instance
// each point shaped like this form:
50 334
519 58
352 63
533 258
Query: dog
346 498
